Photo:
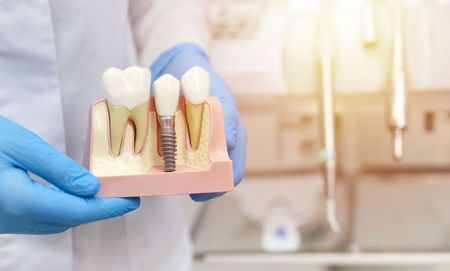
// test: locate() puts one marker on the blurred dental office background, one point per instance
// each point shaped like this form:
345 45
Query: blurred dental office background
347 109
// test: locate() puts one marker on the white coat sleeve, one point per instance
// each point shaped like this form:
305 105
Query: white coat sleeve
161 24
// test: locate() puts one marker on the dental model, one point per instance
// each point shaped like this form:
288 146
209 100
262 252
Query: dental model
127 93
196 84
167 92
115 135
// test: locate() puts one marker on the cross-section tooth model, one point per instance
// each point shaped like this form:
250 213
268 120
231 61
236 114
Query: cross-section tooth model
196 84
127 93
136 142
167 92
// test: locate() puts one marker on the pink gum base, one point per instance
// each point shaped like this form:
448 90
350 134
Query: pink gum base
185 180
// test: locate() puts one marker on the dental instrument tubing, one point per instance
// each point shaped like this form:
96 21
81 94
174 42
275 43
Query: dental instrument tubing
328 135
397 95
327 107
328 125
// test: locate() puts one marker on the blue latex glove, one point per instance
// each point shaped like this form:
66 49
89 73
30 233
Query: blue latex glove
27 206
177 61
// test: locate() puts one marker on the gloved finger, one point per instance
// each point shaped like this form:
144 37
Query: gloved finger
32 199
74 211
239 154
24 149
93 209
13 222
50 232
37 229
229 108
205 196
238 157
45 231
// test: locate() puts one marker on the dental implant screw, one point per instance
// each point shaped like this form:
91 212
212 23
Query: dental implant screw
168 142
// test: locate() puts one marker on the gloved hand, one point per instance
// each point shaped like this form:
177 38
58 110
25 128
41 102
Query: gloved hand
177 61
27 206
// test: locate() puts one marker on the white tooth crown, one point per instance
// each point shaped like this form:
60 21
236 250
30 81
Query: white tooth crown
167 92
127 88
196 84
127 93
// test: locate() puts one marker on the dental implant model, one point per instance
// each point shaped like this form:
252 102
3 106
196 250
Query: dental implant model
136 142
196 84
167 92
127 93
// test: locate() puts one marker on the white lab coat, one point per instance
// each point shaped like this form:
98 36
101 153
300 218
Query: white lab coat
52 56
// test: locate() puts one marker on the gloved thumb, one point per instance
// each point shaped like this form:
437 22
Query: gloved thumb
24 149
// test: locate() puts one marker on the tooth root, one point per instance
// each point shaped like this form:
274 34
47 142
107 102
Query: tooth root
139 116
118 118
194 115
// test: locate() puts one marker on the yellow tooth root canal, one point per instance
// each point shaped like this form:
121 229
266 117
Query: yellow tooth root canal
194 115
118 120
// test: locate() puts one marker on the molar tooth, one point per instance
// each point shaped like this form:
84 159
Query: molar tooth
127 93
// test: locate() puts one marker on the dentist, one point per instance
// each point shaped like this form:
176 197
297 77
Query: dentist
52 56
